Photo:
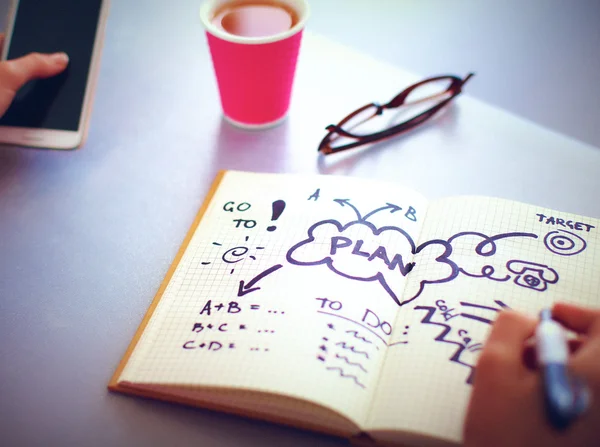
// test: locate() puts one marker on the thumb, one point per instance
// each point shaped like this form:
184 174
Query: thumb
17 72
579 319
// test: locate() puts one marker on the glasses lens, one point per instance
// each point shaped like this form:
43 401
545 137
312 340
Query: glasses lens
360 121
430 91
420 100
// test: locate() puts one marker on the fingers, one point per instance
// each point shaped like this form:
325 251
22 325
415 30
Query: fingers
579 319
583 362
16 72
505 346
511 329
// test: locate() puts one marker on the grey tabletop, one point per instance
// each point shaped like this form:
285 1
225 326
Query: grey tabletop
87 236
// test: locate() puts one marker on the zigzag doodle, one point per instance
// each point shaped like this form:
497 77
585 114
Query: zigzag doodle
349 376
355 333
343 357
343 345
441 337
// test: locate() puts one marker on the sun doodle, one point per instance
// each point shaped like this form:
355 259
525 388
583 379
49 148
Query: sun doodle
235 254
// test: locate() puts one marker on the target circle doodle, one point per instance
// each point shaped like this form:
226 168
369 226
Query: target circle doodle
564 243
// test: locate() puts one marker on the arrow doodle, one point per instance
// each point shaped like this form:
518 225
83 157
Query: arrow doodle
388 206
244 289
346 202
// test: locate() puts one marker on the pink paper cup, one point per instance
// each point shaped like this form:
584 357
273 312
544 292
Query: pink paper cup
255 75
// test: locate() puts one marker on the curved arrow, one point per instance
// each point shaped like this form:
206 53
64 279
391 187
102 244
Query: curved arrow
243 289
345 202
388 206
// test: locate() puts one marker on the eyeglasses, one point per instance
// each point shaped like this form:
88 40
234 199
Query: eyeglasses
440 90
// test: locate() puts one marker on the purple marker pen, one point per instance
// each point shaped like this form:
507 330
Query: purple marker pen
564 397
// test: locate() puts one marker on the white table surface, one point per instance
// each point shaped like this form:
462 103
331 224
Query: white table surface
87 236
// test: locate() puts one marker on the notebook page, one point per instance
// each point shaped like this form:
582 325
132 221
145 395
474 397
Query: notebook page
503 254
288 285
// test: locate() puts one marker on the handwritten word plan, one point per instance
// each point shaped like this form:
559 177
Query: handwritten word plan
347 305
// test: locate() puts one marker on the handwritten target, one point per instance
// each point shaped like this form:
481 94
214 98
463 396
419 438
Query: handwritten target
564 243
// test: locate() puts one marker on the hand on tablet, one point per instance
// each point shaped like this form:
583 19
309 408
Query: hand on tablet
17 72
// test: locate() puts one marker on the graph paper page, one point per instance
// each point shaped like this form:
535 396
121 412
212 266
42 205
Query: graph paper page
289 285
492 254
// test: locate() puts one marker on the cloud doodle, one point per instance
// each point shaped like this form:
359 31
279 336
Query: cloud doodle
360 251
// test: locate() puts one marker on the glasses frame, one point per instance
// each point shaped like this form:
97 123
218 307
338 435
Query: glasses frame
336 130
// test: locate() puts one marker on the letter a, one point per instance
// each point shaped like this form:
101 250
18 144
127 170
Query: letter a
315 195
206 308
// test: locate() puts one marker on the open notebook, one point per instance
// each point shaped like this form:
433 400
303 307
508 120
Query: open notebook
348 306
